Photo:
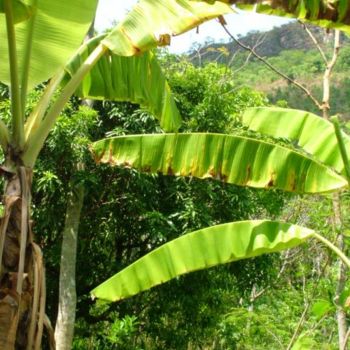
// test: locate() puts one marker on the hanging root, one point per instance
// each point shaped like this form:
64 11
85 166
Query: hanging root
24 228
38 272
9 202
50 333
41 314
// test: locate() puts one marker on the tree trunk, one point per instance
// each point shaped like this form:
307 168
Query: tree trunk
67 291
22 281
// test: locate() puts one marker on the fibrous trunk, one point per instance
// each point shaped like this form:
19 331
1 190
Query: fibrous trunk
22 281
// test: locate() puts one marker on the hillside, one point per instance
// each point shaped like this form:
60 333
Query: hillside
290 49
290 36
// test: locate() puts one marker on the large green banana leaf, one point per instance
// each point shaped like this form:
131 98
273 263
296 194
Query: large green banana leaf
234 159
314 134
325 13
137 79
151 23
199 250
21 11
59 29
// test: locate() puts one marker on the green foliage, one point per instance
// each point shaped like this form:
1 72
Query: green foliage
137 79
113 333
140 212
199 250
208 98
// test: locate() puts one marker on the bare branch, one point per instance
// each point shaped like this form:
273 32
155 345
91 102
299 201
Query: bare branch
325 107
277 71
314 40
300 324
347 336
257 44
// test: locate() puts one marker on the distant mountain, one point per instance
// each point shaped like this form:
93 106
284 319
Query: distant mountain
290 36
289 49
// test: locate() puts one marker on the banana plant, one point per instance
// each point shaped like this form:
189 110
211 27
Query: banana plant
40 37
203 249
308 164
324 13
42 42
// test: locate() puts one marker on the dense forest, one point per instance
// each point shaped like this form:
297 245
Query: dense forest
143 165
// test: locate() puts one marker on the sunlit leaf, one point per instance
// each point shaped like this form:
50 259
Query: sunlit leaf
234 159
21 11
321 307
304 343
314 134
152 23
325 13
199 250
136 79
59 29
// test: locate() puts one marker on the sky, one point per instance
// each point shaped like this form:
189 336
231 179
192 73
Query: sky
110 11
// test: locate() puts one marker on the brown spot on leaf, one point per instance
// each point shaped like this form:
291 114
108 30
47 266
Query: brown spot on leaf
222 20
222 177
170 171
146 169
164 40
249 170
270 183
212 173
136 49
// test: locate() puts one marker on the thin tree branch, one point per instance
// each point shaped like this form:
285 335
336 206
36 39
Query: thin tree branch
340 313
307 305
300 323
325 107
346 339
314 40
257 44
277 71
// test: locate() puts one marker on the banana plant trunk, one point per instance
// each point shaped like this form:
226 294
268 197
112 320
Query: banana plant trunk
22 277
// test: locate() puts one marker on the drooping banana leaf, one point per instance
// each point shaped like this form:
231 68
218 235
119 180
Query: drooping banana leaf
21 11
151 23
137 79
234 159
324 13
59 29
199 250
314 134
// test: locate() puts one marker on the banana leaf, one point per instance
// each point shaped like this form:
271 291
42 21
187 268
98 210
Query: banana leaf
324 13
151 23
200 250
59 27
21 11
233 159
137 79
311 132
